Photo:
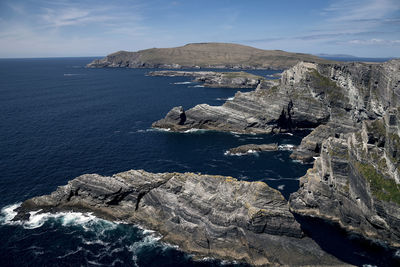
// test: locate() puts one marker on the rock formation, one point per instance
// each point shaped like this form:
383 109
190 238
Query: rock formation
353 108
216 79
355 181
211 216
205 55
251 148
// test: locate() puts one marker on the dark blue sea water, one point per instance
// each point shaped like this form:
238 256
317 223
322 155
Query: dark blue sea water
59 120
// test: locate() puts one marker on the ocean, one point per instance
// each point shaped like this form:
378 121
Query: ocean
59 120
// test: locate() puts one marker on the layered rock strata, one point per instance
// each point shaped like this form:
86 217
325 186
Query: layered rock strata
353 108
355 181
211 216
216 79
337 96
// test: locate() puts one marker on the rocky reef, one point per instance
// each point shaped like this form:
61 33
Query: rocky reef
213 216
216 79
205 55
252 148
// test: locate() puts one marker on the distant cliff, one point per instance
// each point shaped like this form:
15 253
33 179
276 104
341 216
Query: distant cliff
205 55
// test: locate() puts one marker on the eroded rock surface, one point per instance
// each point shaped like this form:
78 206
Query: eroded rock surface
207 215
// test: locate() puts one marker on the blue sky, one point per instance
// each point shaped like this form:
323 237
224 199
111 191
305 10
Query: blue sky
46 28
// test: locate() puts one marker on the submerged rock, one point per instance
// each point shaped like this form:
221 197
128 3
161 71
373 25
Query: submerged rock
213 216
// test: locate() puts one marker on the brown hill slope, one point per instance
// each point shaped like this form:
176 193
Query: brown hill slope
205 55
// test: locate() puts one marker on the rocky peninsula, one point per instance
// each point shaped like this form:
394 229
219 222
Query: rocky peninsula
216 79
210 216
205 55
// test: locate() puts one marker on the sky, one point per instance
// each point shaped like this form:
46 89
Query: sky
51 28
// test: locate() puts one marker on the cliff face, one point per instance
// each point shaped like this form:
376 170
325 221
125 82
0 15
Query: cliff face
205 55
212 216
355 181
332 98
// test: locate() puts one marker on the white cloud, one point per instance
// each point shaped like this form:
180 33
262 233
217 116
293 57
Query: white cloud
374 41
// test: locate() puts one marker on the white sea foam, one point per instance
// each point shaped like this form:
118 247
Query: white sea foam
281 186
248 152
158 130
195 130
286 147
225 98
288 134
37 219
183 82
8 213
198 85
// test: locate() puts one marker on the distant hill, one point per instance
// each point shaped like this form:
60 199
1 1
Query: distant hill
205 55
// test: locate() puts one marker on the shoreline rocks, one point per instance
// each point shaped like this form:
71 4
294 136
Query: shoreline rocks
252 148
216 79
210 216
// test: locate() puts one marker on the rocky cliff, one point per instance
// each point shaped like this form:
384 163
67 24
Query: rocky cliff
332 98
353 110
211 216
205 55
355 181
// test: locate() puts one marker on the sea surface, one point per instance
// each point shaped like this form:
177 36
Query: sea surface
59 120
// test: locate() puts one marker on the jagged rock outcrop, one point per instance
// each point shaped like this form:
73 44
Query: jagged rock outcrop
354 109
355 181
205 55
216 79
337 96
212 216
252 148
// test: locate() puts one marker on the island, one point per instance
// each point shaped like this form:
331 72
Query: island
205 55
